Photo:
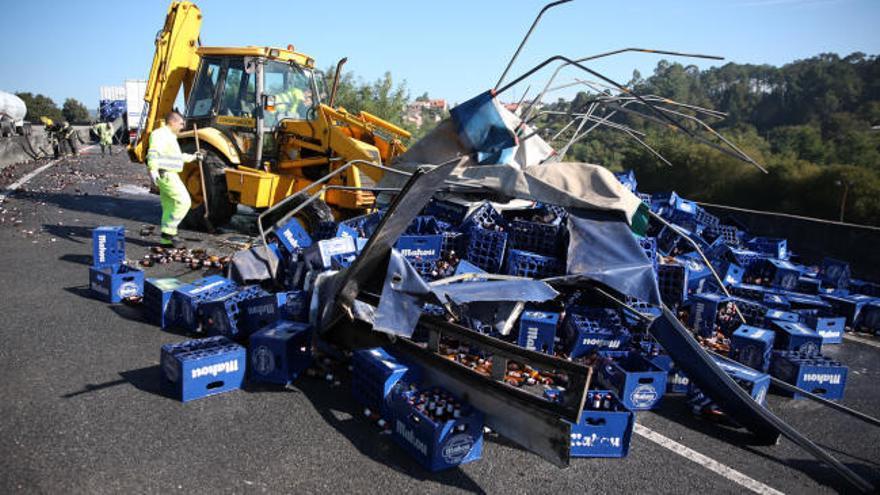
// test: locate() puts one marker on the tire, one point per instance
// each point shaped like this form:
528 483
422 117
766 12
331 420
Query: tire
310 217
220 208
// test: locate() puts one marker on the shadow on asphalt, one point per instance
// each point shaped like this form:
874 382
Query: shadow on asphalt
79 259
147 379
127 208
367 439
82 234
676 410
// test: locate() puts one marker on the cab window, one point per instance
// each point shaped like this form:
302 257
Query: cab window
202 99
293 89
238 98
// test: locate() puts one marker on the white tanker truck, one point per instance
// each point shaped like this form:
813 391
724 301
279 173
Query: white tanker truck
12 112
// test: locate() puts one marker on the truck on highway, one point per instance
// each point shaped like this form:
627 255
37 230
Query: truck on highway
122 106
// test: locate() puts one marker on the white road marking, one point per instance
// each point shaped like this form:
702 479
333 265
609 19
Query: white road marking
707 462
862 340
24 180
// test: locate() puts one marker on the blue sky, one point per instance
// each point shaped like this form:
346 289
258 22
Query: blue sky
451 49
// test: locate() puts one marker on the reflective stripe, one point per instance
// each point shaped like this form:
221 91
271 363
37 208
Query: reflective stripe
164 152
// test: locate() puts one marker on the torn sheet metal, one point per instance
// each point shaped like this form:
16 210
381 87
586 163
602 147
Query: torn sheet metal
602 248
403 297
496 290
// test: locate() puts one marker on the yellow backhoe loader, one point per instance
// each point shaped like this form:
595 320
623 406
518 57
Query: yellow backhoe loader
260 115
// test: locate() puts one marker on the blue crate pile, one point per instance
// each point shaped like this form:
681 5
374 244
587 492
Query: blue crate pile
259 335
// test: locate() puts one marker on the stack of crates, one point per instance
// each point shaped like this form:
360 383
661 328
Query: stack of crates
812 372
280 352
672 280
157 296
711 312
593 329
649 246
199 368
532 265
835 273
223 315
293 237
109 277
374 374
776 273
183 309
798 337
755 383
260 311
436 445
830 328
486 249
537 237
604 428
752 346
639 383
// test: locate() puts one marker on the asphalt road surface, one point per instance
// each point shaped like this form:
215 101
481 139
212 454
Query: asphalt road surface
81 410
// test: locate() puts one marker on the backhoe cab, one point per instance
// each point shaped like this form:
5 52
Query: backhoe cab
261 118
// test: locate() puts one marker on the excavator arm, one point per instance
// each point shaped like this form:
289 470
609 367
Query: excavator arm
174 65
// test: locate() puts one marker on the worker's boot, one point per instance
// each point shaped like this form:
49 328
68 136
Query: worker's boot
169 240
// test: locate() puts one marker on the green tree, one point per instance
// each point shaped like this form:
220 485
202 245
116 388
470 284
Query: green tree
74 111
39 106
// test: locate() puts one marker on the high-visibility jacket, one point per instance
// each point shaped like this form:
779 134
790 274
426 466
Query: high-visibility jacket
290 99
104 131
164 152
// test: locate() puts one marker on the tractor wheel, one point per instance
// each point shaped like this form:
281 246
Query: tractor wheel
220 208
311 216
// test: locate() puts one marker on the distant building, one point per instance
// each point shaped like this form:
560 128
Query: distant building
420 110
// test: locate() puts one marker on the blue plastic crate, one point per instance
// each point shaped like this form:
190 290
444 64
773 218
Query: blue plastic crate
865 288
199 368
452 213
536 237
108 246
605 431
711 312
319 255
869 319
776 301
537 330
183 309
774 247
830 328
223 315
672 279
532 265
486 249
628 179
593 329
796 337
465 266
776 273
676 381
814 373
157 296
482 216
649 246
326 229
778 314
835 273
364 225
698 274
745 257
114 283
293 236
706 218
342 261
752 346
638 382
804 301
427 225
728 234
420 247
374 374
435 445
755 383
849 306
454 242
729 273
808 285
280 352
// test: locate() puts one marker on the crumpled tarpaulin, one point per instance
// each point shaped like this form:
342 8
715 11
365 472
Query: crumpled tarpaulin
482 127
254 265
527 176
527 290
403 297
602 248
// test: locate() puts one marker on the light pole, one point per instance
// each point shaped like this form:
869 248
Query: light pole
845 184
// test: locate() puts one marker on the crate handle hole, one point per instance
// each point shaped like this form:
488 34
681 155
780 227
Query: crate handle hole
595 421
213 385
819 391
646 379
